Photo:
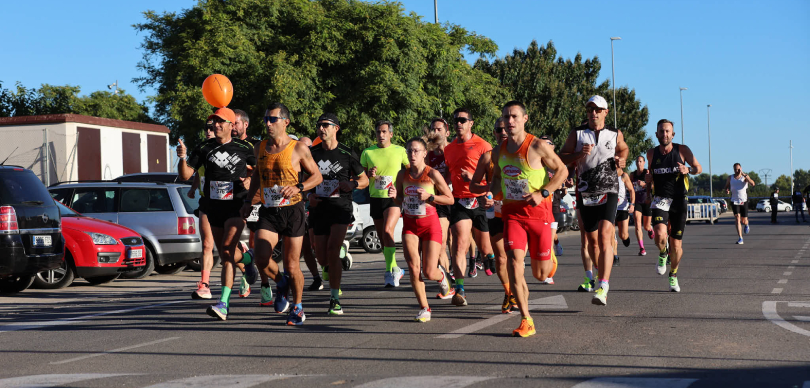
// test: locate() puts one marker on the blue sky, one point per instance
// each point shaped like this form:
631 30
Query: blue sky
748 59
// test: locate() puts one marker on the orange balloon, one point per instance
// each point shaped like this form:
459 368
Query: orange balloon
217 90
316 141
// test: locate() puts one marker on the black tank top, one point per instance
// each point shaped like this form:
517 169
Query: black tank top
668 182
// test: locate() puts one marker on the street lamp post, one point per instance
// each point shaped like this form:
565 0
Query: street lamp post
436 11
613 71
682 89
709 116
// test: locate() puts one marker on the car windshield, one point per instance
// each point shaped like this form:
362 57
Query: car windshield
65 211
22 187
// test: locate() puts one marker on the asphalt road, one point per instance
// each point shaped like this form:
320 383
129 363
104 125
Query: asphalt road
742 319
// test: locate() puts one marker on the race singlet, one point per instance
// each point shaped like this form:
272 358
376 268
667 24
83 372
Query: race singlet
469 203
221 190
273 197
593 199
383 182
328 189
661 203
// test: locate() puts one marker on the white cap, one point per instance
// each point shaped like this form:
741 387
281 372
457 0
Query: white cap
599 101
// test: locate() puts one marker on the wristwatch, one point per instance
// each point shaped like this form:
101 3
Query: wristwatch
431 198
545 193
300 187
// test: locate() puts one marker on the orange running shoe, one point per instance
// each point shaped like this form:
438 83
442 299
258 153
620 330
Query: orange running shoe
554 269
525 329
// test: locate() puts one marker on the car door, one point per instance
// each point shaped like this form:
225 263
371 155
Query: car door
96 202
148 211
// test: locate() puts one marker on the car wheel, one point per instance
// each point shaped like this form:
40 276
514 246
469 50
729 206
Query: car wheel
170 269
575 226
788 208
371 242
96 280
54 279
15 284
144 271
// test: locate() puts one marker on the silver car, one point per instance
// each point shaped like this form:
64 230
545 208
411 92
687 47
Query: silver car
160 212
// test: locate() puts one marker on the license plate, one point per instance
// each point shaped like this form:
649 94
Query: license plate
135 253
42 241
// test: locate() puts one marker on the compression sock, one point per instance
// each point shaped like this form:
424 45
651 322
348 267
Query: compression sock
335 293
673 272
589 274
459 284
226 296
641 244
247 258
267 284
390 258
206 276
604 284
626 242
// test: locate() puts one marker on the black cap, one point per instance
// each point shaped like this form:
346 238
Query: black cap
331 117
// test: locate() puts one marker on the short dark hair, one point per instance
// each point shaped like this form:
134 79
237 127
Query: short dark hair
417 139
242 115
737 164
664 121
284 111
642 157
463 110
443 121
514 103
498 120
384 122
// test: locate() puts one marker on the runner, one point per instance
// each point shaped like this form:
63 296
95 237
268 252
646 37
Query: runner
556 198
249 271
280 161
437 135
382 163
667 197
641 216
418 189
225 160
466 215
330 206
203 290
486 168
306 246
627 197
596 150
526 211
737 186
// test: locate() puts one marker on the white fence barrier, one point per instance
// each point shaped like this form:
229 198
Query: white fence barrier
708 212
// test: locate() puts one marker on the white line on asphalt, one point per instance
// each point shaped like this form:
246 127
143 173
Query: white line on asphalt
55 380
777 291
221 381
556 302
769 311
799 304
425 381
794 262
791 267
113 351
802 318
635 382
788 273
782 281
65 321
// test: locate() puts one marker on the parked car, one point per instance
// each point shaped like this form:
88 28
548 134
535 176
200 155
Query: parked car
30 229
160 213
96 250
570 200
764 205
165 177
368 239
723 204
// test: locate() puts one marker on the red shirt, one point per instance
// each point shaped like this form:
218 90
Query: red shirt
465 156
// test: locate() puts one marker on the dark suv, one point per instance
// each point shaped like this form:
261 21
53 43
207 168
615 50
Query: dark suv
30 229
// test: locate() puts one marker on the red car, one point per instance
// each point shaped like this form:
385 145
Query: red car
96 250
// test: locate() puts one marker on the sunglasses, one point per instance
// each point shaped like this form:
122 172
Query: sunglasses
461 120
593 109
324 125
500 129
272 119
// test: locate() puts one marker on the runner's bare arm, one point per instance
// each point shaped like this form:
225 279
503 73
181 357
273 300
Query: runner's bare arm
308 166
553 162
649 177
194 186
395 191
481 170
629 188
622 150
728 184
445 196
184 171
255 182
362 183
495 185
690 159
568 152
750 181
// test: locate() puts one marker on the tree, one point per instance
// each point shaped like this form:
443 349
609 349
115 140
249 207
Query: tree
801 178
783 183
362 61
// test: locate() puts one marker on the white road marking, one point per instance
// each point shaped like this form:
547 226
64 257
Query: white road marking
425 381
788 273
799 304
802 318
635 382
113 351
791 267
782 281
777 291
220 381
65 321
794 262
556 302
54 380
769 311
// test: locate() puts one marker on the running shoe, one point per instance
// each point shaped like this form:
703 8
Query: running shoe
317 285
651 234
555 263
746 229
506 306
473 271
459 299
389 279
525 329
548 280
251 272
662 264
244 287
558 249
397 273
513 302
334 307
325 273
296 317
600 297
451 278
267 296
626 242
642 252
219 310
587 285
446 291
202 292
616 261
740 241
673 284
282 304
423 316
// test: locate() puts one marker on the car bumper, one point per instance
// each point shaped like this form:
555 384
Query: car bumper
15 261
178 249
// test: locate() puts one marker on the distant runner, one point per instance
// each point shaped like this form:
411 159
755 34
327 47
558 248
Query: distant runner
737 186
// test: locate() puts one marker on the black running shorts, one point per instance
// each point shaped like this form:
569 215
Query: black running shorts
676 217
378 206
478 215
220 211
592 215
443 211
329 213
741 209
622 215
495 226
644 208
289 221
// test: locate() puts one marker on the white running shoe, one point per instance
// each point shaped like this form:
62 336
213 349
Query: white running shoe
398 272
673 284
740 241
389 279
423 316
548 280
661 267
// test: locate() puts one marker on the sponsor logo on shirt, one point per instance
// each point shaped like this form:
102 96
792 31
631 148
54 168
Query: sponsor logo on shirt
326 166
412 190
665 170
511 171
226 160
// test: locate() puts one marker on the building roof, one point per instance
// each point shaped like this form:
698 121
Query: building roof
74 118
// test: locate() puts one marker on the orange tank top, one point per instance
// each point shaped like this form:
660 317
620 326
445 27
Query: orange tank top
276 171
412 206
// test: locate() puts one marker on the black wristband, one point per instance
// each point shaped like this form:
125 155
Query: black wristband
356 184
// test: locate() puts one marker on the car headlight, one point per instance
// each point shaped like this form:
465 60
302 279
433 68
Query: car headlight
102 239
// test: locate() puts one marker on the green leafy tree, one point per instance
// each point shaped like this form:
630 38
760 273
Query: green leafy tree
783 183
362 61
801 178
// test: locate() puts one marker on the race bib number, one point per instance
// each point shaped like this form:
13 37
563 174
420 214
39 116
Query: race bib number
414 206
254 214
273 197
661 203
738 202
498 205
221 190
383 182
594 199
328 189
516 188
469 203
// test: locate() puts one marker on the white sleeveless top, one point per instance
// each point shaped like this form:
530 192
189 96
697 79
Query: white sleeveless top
624 203
738 190
596 172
